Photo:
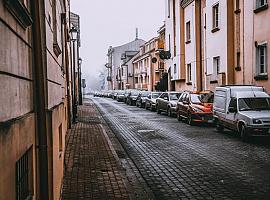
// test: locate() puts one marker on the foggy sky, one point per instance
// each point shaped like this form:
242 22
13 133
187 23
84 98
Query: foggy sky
107 23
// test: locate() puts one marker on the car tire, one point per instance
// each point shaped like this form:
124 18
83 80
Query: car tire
189 120
151 107
244 134
169 112
219 127
179 118
158 110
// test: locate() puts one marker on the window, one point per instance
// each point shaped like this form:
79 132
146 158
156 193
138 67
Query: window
174 66
60 138
24 182
216 64
262 59
189 73
215 15
260 3
188 38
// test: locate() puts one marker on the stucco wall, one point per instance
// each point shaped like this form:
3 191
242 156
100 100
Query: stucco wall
15 140
216 43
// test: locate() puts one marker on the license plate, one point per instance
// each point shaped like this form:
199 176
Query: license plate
210 121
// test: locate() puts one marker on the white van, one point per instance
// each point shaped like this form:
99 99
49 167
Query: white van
245 109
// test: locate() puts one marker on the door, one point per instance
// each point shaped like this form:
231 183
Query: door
231 113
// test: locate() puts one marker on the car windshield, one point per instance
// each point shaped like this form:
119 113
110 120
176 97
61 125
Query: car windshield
134 93
145 94
174 96
121 93
202 98
155 95
254 104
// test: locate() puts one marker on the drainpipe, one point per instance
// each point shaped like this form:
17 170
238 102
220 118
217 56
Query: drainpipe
40 95
200 23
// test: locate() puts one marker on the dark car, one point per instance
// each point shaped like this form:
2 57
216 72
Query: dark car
140 102
120 96
132 97
150 101
167 102
195 107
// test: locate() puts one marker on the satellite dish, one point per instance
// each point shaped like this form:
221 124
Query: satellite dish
154 60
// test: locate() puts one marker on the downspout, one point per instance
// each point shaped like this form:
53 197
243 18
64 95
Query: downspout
67 73
200 39
40 95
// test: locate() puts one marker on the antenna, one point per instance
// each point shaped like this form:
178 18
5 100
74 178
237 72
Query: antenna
137 34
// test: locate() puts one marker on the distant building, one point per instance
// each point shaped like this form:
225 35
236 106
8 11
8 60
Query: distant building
114 56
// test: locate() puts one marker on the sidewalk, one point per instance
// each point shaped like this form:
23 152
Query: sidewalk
92 169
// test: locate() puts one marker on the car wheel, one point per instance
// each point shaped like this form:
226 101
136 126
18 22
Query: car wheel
179 118
219 127
158 110
244 133
189 120
151 107
169 112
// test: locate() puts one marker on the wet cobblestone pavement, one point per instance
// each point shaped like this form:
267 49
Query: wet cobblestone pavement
179 161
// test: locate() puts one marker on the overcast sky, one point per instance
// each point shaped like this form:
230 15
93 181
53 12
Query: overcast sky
107 23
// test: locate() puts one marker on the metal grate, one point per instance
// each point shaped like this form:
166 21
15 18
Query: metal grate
22 176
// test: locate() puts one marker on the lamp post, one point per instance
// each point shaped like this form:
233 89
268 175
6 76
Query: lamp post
80 80
73 33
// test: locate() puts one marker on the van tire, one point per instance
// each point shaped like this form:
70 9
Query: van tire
179 117
244 134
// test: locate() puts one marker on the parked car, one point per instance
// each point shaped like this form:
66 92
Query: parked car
114 94
195 107
245 109
127 91
140 102
120 96
167 102
132 97
150 101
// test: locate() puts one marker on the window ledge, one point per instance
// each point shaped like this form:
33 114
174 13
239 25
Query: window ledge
261 77
189 41
215 29
264 7
189 83
20 12
214 81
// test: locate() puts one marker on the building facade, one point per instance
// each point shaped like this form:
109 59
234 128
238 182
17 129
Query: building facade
36 106
217 42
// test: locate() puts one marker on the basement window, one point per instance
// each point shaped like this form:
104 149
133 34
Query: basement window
261 5
24 174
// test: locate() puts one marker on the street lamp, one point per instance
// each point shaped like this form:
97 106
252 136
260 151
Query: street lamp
80 80
73 34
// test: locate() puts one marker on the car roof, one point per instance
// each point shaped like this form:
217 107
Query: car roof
249 94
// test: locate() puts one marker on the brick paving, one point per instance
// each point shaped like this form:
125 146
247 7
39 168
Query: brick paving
92 169
183 162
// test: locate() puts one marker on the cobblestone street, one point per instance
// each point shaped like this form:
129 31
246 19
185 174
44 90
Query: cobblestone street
178 161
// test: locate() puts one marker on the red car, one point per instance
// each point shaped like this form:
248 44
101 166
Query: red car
195 107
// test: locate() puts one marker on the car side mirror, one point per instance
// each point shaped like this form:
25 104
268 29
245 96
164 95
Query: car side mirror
185 102
166 98
232 110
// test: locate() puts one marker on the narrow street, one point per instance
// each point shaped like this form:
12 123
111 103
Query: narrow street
178 161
